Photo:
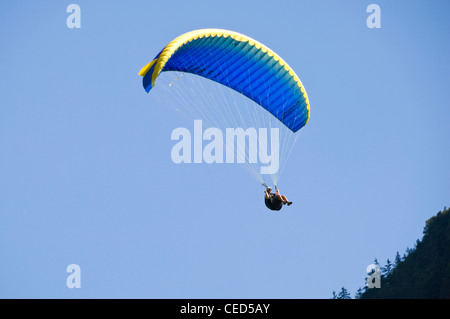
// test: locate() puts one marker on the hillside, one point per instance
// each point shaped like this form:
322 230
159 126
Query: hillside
424 271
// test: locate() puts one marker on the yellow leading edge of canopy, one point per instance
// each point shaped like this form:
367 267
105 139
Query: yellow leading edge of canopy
170 49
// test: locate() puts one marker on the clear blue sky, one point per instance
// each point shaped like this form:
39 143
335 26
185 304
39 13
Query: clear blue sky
86 175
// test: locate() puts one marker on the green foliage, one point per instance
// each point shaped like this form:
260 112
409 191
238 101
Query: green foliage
343 294
424 271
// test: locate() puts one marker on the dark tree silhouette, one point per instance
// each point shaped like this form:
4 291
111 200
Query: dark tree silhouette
422 272
386 270
343 294
397 259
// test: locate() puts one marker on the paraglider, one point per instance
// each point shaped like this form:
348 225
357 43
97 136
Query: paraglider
275 201
242 65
